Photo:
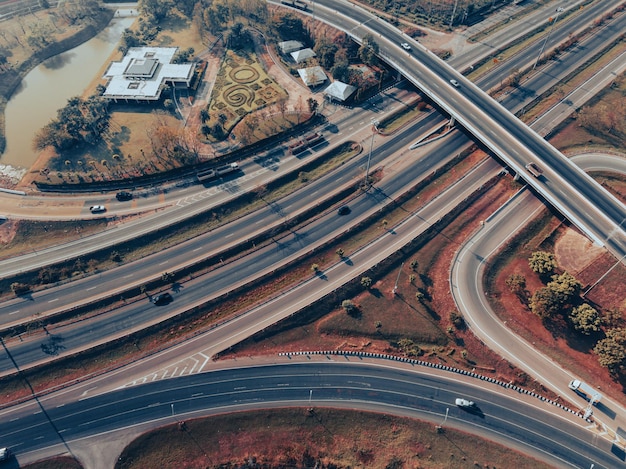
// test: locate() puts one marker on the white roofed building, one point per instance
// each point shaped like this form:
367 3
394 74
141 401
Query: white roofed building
143 72
312 76
287 47
302 54
340 90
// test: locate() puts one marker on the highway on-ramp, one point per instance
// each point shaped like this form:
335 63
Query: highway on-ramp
466 283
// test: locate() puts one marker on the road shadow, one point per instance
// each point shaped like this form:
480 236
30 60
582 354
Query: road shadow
321 275
618 451
53 345
474 410
601 406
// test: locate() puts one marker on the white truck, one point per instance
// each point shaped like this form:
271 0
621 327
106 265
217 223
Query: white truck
215 173
591 394
534 169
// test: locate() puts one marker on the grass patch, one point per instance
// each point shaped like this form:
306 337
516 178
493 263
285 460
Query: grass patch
322 438
32 235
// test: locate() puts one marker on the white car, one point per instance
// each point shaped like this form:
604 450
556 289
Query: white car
97 208
463 402
454 83
4 454
406 46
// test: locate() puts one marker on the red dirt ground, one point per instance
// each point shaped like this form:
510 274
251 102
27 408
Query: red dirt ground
336 331
587 264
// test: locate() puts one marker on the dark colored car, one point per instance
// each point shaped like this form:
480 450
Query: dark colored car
123 195
343 210
162 299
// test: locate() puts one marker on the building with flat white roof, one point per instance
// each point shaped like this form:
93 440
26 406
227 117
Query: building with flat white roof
143 72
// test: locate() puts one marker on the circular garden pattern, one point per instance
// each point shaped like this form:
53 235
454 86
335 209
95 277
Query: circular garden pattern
244 74
238 95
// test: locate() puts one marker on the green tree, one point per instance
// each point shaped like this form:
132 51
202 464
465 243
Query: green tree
19 288
613 318
156 10
516 283
369 50
325 50
341 71
456 318
348 306
186 7
542 262
129 39
611 350
545 303
586 319
238 37
366 282
565 287
409 348
288 25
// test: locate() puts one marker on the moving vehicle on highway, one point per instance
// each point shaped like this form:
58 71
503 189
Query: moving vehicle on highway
534 169
344 210
123 195
406 46
455 83
215 173
162 299
582 388
464 403
97 209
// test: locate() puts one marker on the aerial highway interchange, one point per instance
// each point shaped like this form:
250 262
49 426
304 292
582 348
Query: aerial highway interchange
614 238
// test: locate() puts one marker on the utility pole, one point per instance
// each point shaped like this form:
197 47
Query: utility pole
369 157
395 287
558 10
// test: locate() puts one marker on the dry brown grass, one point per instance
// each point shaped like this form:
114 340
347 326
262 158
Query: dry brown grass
298 438
556 338
63 462
402 316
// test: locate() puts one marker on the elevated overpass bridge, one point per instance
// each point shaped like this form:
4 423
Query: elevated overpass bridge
586 204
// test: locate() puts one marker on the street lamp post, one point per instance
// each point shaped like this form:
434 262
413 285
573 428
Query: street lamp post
395 287
369 157
558 10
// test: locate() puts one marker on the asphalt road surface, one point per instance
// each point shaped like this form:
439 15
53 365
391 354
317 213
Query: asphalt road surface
466 282
577 196
546 431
